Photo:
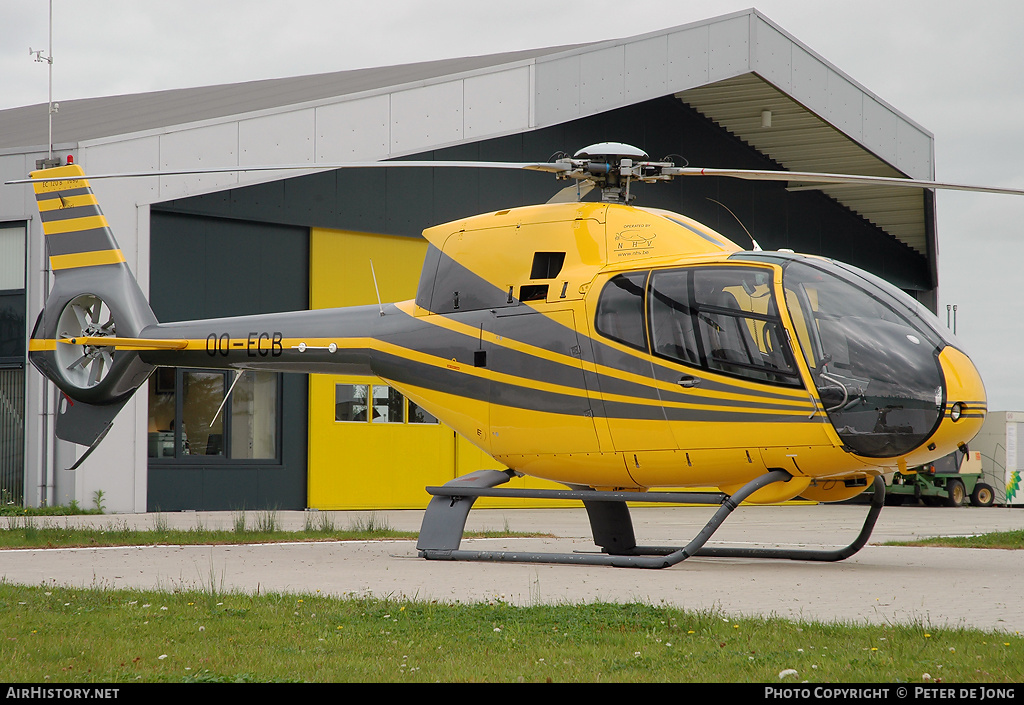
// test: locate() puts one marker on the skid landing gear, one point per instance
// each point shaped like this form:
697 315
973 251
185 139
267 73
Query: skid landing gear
445 521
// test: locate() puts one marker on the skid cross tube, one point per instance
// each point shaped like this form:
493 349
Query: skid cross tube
445 520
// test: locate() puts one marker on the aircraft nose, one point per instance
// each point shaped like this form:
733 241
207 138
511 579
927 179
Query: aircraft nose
965 408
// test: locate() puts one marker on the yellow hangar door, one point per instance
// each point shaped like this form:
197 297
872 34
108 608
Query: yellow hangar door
369 446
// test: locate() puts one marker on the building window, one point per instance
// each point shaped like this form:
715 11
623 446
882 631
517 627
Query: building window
377 403
12 256
418 414
189 416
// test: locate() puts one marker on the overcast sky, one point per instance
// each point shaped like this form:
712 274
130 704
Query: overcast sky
953 67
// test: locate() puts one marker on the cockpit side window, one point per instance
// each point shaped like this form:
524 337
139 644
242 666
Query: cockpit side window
620 310
673 334
723 319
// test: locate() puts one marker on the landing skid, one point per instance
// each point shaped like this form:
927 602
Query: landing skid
445 520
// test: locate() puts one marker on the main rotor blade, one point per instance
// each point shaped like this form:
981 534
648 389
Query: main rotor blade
573 193
816 178
549 167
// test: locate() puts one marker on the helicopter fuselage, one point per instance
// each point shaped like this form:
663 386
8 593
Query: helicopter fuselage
609 346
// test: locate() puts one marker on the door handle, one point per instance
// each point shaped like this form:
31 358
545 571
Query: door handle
688 381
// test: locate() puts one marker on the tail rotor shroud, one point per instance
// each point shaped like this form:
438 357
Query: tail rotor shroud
84 365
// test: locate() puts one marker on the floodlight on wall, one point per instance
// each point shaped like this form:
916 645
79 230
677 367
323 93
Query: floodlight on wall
766 118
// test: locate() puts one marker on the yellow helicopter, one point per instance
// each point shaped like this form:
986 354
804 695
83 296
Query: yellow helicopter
612 348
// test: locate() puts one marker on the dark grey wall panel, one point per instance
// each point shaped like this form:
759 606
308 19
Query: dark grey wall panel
204 267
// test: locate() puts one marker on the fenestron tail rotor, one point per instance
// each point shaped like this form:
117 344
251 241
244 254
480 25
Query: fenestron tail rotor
84 365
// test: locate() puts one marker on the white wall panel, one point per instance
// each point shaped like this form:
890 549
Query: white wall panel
880 129
773 55
809 83
557 90
354 130
497 103
112 468
284 138
845 105
688 58
16 202
602 80
422 118
729 48
118 197
646 69
196 148
913 151
125 155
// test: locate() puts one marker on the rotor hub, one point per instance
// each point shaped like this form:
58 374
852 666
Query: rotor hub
613 166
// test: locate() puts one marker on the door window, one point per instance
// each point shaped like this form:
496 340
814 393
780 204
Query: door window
722 319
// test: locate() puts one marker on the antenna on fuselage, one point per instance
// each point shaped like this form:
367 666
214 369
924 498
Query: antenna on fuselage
757 248
377 288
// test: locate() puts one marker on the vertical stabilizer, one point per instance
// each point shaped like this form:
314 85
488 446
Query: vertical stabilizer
77 233
94 296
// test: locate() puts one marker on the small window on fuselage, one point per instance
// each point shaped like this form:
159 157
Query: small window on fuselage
620 310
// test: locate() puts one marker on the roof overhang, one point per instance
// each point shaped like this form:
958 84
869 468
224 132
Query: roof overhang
778 126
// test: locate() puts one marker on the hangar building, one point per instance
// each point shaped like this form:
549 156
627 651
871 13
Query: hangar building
732 91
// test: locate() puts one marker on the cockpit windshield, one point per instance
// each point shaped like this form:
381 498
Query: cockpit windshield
872 353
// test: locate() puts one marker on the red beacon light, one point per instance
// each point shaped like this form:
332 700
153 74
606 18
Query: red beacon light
71 159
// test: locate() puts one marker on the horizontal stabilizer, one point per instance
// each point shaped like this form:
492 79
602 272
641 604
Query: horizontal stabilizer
84 423
126 343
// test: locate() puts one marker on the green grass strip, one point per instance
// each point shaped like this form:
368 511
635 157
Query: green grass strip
1008 540
56 634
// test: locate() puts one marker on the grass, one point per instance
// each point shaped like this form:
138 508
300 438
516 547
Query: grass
57 634
72 509
30 533
1008 540
47 532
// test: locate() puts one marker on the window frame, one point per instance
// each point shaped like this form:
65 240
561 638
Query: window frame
369 420
601 310
789 376
224 458
792 376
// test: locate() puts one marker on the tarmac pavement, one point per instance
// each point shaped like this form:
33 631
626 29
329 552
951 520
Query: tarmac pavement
932 586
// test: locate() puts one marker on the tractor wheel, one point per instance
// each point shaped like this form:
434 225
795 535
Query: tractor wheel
983 495
955 493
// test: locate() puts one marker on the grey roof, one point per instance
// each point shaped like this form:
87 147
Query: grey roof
93 118
730 68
